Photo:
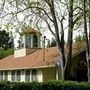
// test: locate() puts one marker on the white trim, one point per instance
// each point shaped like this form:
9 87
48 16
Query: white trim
30 75
28 68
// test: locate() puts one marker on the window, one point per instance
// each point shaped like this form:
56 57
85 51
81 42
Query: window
28 41
13 76
1 75
6 75
34 75
35 41
27 75
18 75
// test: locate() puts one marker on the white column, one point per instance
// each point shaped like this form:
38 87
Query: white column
24 41
30 75
38 41
22 75
9 75
31 40
15 75
39 76
56 74
38 37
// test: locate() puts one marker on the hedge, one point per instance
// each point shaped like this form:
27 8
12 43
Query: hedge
50 85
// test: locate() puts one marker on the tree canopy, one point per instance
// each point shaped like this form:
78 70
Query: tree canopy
5 42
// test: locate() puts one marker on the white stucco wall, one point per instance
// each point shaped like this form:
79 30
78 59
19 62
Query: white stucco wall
20 52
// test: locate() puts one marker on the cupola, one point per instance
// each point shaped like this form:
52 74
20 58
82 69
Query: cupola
30 42
30 38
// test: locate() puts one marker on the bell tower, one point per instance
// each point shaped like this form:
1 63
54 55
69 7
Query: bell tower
30 42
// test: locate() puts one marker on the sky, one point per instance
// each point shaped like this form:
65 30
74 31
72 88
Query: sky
20 18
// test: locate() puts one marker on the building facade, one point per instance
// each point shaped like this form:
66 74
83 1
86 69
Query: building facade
32 63
29 62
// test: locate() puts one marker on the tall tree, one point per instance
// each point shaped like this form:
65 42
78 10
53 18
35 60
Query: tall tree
4 40
87 39
89 23
70 40
86 34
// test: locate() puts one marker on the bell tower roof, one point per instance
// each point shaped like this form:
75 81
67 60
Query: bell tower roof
30 30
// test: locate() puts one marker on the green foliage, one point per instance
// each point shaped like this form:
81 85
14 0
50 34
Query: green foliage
53 43
4 40
4 37
4 53
5 85
79 38
51 85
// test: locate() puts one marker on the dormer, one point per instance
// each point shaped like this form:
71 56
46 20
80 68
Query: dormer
30 42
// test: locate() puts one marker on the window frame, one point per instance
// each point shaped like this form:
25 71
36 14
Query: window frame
6 75
34 75
18 75
27 75
13 76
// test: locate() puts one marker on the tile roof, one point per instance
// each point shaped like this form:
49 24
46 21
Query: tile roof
30 61
29 30
35 60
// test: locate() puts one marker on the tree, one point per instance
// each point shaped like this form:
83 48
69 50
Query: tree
89 45
5 53
4 38
70 40
53 43
79 38
86 39
87 35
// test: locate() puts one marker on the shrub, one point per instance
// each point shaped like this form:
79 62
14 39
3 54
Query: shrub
50 85
5 53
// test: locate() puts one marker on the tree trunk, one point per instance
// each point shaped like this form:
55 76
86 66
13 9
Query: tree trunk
58 39
62 43
89 47
69 44
86 38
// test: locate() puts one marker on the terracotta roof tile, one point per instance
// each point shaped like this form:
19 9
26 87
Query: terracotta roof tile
30 61
35 60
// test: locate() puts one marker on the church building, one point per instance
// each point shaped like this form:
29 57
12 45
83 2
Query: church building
32 63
